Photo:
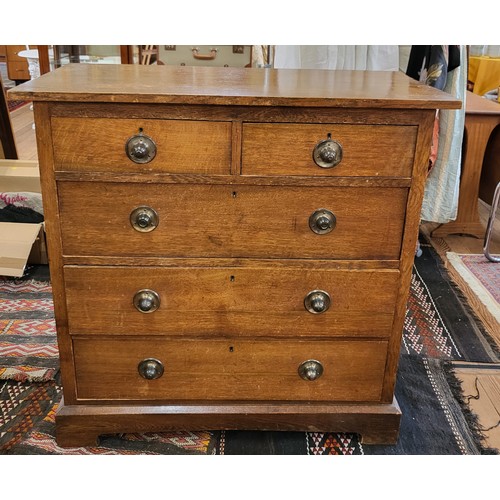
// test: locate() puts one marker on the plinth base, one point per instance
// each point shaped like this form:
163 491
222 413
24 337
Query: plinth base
81 425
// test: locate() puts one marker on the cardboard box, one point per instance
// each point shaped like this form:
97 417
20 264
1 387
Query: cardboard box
16 242
19 176
20 244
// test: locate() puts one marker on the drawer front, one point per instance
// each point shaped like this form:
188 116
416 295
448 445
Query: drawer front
107 369
230 301
18 70
182 146
367 150
231 221
13 51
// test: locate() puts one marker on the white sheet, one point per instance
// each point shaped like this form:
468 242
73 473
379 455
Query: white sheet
354 57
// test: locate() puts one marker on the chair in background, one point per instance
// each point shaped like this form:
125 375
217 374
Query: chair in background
149 54
489 226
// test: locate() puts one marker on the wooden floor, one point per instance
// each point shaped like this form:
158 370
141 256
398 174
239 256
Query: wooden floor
480 383
24 133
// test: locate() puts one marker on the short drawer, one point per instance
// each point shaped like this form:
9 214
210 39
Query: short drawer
109 369
181 146
231 221
18 70
367 150
237 301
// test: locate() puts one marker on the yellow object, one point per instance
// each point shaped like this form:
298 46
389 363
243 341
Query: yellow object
484 72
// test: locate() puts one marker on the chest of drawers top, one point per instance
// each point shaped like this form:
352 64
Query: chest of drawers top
233 86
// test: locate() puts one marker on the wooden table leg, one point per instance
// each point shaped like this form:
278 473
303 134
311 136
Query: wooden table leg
478 129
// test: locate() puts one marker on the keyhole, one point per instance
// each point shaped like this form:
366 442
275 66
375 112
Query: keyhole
231 348
235 194
231 278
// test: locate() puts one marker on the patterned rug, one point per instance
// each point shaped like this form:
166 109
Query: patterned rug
13 105
27 425
439 329
482 277
28 344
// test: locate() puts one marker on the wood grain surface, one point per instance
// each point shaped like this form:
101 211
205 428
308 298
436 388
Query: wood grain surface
83 423
222 301
184 146
54 246
106 369
244 86
231 221
368 150
408 248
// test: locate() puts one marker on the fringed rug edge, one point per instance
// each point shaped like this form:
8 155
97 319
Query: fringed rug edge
471 418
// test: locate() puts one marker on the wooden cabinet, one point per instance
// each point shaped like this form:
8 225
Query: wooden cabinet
17 66
230 248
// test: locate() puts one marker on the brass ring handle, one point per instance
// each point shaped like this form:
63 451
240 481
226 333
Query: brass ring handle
204 57
317 301
322 221
140 148
146 301
310 370
144 219
150 369
327 153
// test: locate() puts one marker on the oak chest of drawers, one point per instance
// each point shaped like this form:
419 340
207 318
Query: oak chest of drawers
230 248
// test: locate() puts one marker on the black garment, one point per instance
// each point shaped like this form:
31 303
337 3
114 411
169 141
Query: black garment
11 213
432 63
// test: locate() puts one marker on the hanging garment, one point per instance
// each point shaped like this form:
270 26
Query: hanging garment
430 64
445 68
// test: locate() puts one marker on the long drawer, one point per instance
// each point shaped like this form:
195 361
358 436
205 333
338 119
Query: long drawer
109 369
231 221
181 146
230 301
367 150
